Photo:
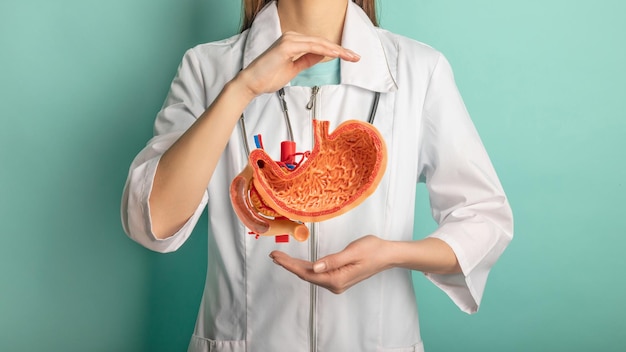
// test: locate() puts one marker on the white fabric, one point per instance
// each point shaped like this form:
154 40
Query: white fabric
249 303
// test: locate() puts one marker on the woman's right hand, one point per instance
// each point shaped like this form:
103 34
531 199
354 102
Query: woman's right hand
281 62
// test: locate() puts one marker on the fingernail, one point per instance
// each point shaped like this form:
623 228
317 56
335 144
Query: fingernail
319 267
272 257
353 54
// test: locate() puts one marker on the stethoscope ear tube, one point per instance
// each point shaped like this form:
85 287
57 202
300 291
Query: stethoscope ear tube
370 119
283 104
242 124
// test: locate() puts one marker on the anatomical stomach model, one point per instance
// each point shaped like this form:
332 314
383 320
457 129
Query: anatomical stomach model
275 198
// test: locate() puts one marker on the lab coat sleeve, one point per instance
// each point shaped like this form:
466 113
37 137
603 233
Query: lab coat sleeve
466 197
185 102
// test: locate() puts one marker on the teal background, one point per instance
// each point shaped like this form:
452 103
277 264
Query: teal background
81 82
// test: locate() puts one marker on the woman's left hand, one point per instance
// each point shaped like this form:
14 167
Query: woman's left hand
338 272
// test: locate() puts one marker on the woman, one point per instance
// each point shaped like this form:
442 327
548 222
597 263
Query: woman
352 288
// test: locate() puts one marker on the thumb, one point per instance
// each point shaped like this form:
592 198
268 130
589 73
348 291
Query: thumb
307 60
332 262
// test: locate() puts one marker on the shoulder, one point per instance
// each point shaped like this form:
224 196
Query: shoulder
218 60
225 53
413 62
229 46
409 49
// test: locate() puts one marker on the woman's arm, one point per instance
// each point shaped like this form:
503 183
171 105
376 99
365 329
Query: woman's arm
186 167
370 255
429 255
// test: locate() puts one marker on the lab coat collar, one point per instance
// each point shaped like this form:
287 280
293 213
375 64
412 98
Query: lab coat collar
375 70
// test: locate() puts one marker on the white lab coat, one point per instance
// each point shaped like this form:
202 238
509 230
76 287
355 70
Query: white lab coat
251 304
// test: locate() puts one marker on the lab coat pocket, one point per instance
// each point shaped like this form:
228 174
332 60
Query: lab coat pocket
419 347
201 344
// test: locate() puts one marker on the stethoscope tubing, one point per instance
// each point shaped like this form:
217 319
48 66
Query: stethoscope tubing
281 96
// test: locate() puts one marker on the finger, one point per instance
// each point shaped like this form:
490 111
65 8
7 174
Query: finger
304 270
333 261
299 267
298 44
306 61
336 281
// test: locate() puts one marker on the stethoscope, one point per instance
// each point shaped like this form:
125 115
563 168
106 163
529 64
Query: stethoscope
283 104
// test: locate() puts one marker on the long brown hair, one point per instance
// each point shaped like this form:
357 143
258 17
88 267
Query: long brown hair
252 7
